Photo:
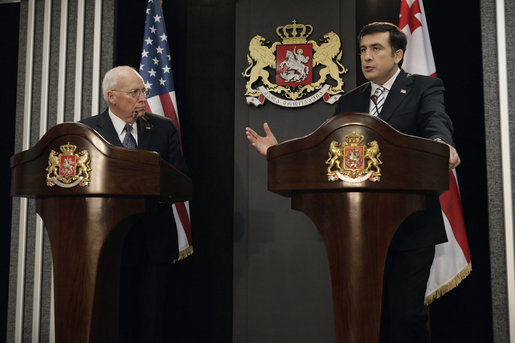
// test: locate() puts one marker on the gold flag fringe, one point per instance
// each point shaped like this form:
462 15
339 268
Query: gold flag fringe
449 285
184 254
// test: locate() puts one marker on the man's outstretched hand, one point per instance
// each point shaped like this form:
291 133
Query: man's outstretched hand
260 143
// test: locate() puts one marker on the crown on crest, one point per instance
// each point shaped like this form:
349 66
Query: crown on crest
68 149
354 139
294 33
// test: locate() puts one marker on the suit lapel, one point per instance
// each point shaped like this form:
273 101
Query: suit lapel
106 129
364 98
400 89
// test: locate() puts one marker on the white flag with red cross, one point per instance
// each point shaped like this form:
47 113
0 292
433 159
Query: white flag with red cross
452 262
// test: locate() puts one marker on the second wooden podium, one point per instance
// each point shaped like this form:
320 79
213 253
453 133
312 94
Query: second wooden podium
357 179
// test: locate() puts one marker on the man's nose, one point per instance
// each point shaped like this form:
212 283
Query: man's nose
367 55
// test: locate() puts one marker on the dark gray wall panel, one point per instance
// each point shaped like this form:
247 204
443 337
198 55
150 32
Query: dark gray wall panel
498 252
282 290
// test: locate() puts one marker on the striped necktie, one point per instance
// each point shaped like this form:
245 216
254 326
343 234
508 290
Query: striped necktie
378 100
129 141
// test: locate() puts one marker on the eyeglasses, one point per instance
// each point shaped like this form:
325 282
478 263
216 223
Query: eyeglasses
135 93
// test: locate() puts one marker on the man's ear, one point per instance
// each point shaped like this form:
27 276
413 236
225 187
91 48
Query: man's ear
397 57
110 96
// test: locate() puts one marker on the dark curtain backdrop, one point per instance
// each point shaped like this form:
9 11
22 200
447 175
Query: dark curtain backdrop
465 314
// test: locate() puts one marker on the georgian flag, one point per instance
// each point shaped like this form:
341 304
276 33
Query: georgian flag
156 71
452 262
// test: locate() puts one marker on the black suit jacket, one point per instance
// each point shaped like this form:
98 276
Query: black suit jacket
155 133
414 106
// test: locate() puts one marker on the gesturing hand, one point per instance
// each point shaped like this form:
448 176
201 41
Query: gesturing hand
260 143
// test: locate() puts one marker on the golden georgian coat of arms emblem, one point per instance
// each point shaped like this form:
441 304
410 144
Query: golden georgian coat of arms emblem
68 169
296 61
352 161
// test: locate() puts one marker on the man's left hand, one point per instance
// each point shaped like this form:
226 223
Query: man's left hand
454 158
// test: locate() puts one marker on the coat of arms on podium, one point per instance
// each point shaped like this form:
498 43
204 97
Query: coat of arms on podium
353 161
305 71
68 169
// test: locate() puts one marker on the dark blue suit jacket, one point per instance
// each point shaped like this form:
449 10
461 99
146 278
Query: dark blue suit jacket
414 106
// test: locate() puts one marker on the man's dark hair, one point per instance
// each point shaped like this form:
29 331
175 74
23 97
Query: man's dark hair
397 41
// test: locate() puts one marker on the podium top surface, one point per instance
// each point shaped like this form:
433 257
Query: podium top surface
72 159
356 151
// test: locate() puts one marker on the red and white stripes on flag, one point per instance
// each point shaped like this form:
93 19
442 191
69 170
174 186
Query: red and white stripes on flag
155 68
418 58
452 262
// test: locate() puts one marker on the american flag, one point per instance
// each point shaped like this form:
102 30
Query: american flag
156 70
452 262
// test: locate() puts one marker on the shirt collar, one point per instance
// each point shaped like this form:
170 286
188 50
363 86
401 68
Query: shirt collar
388 84
119 126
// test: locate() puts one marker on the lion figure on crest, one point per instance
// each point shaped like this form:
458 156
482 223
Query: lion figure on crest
53 165
335 154
83 165
373 154
260 57
324 54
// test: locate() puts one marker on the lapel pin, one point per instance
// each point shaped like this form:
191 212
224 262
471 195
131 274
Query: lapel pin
403 91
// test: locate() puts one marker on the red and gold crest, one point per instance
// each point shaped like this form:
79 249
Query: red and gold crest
304 70
67 165
353 158
294 65
68 169
353 161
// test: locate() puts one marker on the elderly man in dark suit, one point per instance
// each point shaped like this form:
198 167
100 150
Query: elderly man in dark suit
414 105
151 245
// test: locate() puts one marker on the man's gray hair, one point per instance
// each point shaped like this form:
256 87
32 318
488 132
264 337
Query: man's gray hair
111 79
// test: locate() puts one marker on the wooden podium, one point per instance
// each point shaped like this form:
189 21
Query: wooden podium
88 193
357 218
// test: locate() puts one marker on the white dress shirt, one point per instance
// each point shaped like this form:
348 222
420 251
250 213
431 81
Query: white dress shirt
119 126
387 86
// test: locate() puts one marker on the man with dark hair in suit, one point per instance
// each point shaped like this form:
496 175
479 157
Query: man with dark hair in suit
146 276
414 105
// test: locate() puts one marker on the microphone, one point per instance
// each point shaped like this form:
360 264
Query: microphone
373 97
134 114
